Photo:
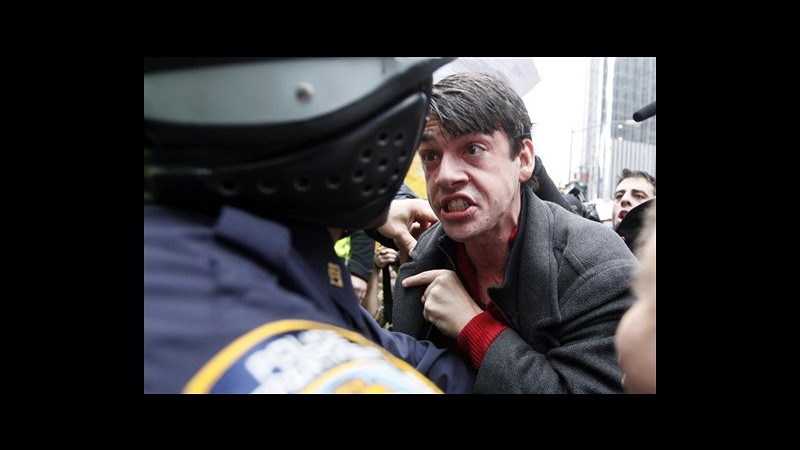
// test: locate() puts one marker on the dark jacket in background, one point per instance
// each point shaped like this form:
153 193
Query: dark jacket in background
545 188
362 254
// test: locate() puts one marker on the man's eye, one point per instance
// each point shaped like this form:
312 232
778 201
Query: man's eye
428 156
474 150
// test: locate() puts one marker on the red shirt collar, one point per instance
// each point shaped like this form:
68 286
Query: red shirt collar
467 270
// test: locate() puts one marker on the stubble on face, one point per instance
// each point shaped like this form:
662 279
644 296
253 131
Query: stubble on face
476 196
635 191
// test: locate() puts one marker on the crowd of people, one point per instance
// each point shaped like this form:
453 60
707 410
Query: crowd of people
494 284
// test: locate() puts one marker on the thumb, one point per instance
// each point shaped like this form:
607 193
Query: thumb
426 214
405 241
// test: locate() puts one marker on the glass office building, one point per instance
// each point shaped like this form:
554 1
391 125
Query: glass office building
612 140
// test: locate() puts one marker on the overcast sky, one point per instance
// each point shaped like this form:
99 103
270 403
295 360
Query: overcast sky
556 106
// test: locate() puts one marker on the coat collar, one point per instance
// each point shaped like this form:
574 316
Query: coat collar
531 264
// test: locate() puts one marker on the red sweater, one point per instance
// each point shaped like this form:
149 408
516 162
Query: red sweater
477 335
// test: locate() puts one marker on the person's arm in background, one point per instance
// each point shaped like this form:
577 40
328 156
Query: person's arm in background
371 302
362 249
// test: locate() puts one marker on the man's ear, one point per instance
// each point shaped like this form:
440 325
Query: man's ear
526 160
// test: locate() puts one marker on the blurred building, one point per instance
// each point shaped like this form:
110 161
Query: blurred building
611 139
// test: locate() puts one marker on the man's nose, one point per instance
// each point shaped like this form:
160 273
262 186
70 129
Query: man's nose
627 200
451 172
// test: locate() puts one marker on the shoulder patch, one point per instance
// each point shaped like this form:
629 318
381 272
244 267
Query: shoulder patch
301 356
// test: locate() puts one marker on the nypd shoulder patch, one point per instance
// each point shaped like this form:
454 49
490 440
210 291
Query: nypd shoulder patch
300 356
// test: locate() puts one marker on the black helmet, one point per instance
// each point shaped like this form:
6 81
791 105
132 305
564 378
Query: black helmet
633 222
326 141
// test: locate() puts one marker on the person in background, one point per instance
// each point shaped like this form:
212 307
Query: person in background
636 334
378 298
544 187
253 167
359 262
633 188
529 291
634 195
362 251
575 193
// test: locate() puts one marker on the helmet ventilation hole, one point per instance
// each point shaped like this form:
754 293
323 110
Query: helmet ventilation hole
267 186
366 155
228 188
302 184
333 182
383 139
382 164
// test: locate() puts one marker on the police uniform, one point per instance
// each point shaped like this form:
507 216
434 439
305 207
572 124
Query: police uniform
235 302
242 304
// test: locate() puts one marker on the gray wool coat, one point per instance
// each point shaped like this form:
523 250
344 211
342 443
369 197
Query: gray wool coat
565 288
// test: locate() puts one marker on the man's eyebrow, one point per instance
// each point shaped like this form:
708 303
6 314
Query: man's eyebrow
635 191
427 137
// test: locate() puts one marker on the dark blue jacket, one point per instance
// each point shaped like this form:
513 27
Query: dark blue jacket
238 303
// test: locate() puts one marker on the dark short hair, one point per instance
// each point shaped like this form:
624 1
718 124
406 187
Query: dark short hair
628 173
472 102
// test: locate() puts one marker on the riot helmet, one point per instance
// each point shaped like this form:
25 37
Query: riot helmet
325 141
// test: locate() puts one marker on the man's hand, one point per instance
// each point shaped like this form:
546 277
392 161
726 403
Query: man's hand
385 256
407 219
360 286
446 302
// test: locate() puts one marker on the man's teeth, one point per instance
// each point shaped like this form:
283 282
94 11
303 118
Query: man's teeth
457 205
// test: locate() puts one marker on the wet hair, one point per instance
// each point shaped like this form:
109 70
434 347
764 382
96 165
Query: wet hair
627 173
471 102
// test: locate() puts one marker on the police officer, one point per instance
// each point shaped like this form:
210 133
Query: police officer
252 169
